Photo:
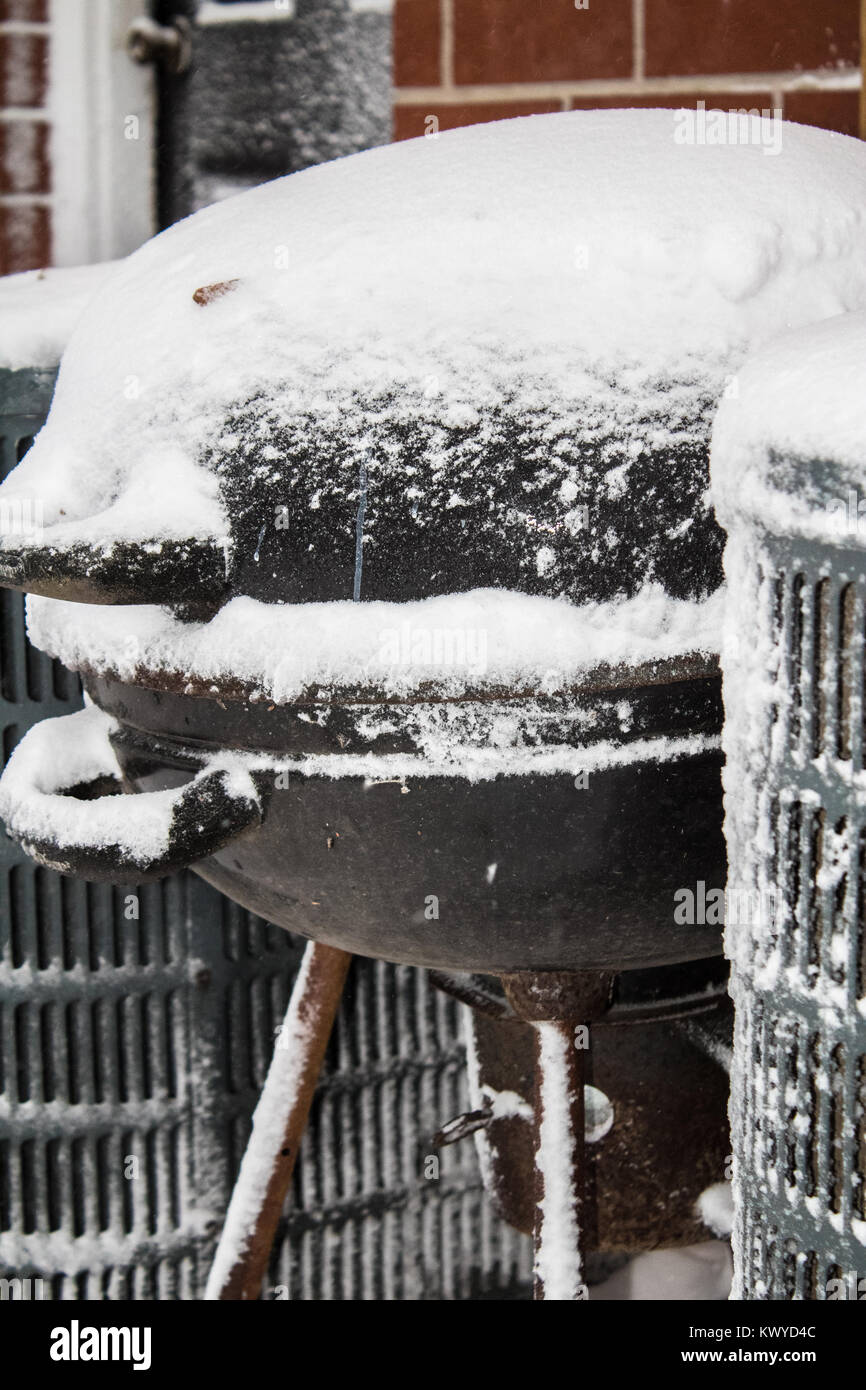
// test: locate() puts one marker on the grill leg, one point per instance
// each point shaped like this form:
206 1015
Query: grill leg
560 1005
557 1234
278 1125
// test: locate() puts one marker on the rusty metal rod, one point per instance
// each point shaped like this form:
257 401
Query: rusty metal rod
279 1121
558 1234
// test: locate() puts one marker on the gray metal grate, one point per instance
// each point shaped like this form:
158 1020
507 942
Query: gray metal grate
132 1050
378 1212
799 1080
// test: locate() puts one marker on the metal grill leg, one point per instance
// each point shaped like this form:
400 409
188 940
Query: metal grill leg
560 1005
558 1234
278 1125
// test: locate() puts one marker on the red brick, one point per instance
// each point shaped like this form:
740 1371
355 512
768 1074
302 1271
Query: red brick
696 36
829 110
715 101
409 121
24 159
541 40
23 69
25 238
417 43
34 11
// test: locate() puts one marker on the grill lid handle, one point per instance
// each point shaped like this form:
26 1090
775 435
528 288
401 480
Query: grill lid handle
53 799
124 572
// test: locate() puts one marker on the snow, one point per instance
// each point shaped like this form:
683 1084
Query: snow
59 754
443 756
286 1076
599 1114
788 448
688 1274
558 1243
505 1105
716 1208
140 510
62 753
574 266
598 1111
788 451
40 308
484 638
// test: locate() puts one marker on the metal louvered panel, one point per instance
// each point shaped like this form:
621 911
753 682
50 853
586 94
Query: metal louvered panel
98 1123
799 983
147 1042
31 685
132 1050
378 1213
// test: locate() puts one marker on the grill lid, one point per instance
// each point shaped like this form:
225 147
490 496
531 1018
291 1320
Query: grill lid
488 359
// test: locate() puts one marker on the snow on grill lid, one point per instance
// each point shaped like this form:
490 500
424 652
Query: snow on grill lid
518 252
39 310
483 639
789 447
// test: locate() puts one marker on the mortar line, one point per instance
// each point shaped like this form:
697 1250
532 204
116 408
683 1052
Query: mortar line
646 86
638 24
447 54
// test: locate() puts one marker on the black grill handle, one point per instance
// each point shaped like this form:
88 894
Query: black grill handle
52 799
125 572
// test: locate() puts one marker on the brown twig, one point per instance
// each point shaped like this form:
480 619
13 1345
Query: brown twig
206 294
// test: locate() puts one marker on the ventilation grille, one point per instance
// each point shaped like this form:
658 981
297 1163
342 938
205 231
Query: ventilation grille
799 1079
136 1027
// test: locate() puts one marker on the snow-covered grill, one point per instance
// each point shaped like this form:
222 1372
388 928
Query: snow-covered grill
789 468
422 501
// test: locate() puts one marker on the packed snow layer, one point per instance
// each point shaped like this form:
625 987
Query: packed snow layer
550 261
489 637
39 310
790 447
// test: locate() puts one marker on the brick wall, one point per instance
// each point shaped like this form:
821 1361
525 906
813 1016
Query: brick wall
464 61
25 170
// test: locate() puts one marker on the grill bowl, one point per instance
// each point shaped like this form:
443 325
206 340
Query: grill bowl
501 873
